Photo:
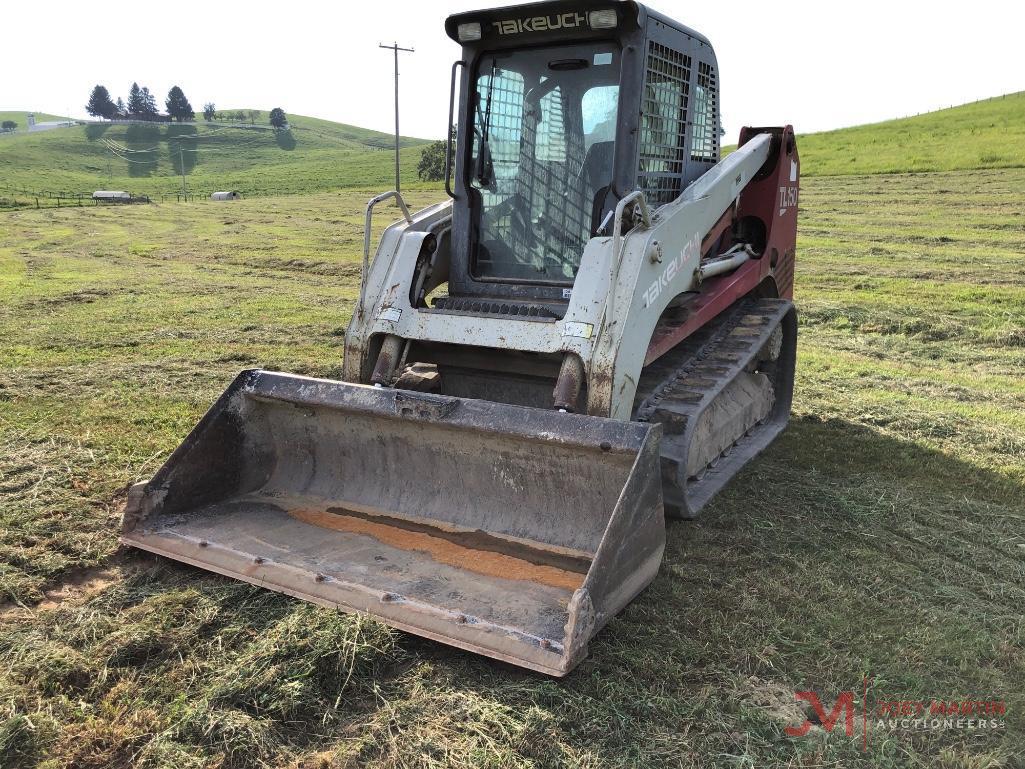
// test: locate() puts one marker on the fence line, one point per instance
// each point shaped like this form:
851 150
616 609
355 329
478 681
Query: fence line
12 197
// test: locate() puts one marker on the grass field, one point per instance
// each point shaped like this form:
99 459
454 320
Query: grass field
883 536
314 156
320 155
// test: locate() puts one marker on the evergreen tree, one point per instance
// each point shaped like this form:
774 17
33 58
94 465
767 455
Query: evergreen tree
136 106
178 106
149 103
121 109
278 118
100 104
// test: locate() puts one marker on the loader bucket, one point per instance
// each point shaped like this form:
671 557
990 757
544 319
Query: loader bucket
510 531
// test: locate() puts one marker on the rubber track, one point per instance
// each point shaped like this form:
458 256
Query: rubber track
676 388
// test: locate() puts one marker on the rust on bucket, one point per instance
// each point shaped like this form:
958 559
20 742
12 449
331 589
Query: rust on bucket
474 551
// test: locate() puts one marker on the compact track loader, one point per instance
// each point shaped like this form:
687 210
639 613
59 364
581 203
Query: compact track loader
594 332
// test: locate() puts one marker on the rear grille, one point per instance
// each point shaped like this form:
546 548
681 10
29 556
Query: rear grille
663 135
493 307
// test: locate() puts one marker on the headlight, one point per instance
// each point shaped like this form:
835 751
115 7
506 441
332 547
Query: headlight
602 19
468 32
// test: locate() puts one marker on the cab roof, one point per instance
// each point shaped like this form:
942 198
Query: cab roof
632 14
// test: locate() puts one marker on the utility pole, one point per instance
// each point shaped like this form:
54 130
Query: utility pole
395 48
181 162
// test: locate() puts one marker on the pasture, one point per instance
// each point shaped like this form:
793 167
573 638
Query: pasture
879 543
148 159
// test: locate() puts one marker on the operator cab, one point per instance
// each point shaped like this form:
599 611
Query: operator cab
572 106
541 165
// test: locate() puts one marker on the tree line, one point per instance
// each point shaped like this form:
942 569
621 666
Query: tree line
142 105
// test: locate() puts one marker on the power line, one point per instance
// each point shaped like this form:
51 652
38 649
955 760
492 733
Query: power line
121 152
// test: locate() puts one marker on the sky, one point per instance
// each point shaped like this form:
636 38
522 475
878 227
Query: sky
818 65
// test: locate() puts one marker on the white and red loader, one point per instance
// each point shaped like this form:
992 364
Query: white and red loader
594 331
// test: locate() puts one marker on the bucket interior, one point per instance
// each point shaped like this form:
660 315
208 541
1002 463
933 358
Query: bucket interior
473 526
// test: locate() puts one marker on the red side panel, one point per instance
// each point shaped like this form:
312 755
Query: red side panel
768 205
772 199
717 294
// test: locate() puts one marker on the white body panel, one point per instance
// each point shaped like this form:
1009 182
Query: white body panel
612 346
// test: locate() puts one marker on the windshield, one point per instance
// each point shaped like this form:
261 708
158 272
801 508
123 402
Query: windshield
544 132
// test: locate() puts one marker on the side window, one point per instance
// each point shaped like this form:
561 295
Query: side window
664 123
704 142
599 108
504 96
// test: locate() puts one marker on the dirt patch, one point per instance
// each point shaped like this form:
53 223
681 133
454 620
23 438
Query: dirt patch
444 550
78 586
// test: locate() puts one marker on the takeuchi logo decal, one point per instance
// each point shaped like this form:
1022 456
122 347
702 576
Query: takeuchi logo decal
540 23
691 250
914 715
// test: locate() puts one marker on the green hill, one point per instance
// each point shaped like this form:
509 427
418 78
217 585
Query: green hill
314 155
320 155
20 118
984 134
